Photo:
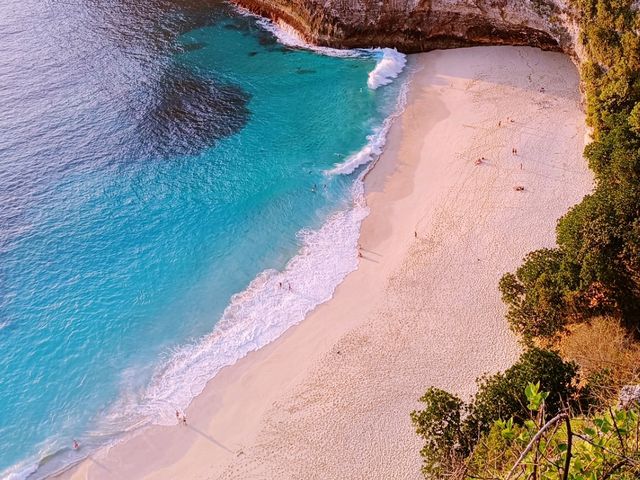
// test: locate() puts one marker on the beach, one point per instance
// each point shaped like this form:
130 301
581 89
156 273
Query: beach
485 158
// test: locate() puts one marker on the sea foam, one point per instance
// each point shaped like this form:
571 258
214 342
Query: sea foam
290 37
390 65
375 142
275 300
389 62
272 303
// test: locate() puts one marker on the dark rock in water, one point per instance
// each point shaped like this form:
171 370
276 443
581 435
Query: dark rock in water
192 47
266 39
189 114
232 26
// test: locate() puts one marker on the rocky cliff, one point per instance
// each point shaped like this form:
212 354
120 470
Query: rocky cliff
422 25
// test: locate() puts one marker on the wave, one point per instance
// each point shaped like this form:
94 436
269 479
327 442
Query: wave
290 37
275 300
272 303
20 471
375 142
390 65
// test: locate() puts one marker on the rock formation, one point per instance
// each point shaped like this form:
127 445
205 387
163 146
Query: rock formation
629 397
422 25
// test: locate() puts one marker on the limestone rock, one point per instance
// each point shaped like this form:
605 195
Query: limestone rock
629 396
422 25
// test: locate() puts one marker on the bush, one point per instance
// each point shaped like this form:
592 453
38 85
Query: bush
562 446
439 425
537 294
602 446
608 356
501 395
449 437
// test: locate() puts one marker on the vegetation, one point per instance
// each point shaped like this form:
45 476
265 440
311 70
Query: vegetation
451 428
539 419
563 447
595 270
609 357
540 446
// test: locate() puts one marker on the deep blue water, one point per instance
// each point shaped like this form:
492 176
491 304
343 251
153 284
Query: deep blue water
155 157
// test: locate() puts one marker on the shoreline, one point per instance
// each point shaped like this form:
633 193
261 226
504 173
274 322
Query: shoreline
335 391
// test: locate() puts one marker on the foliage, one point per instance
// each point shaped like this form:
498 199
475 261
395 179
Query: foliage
594 271
599 446
536 294
608 365
450 435
500 395
439 424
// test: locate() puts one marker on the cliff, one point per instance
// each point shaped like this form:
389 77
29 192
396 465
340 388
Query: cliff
422 25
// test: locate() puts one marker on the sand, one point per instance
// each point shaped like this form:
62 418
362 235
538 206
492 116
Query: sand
331 398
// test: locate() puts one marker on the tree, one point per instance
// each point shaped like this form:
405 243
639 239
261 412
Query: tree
439 425
537 294
500 395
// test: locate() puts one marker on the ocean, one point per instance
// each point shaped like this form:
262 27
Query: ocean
180 182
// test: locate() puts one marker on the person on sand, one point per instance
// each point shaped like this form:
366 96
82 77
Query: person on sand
184 420
178 416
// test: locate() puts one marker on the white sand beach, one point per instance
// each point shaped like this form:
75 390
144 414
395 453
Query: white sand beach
331 398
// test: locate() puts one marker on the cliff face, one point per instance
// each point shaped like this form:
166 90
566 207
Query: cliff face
422 25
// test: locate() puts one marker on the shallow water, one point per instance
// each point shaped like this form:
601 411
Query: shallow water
155 158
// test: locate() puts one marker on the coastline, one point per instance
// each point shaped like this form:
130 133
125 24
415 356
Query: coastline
331 397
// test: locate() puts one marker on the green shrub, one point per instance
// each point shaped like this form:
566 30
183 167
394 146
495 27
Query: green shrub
594 447
601 446
450 436
537 294
439 425
501 395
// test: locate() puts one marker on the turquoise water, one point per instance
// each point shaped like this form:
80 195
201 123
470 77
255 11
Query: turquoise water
143 185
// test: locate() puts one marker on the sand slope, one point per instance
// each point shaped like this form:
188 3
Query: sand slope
331 398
